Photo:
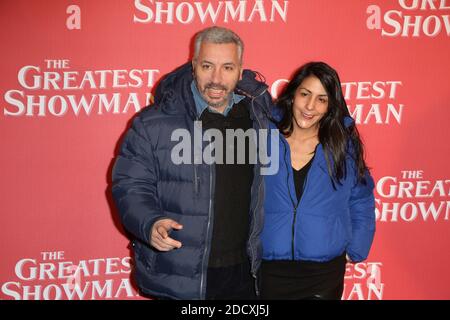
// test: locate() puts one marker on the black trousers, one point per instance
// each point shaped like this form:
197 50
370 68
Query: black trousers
303 280
230 283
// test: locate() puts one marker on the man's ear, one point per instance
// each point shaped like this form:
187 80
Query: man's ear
240 75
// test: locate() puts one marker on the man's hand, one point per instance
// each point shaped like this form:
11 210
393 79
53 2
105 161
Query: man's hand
160 235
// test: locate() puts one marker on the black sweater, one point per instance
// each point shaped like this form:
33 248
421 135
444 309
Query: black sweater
232 191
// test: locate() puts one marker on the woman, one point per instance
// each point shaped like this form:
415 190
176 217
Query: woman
319 207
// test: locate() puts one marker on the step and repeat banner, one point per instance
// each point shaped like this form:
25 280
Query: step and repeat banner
75 72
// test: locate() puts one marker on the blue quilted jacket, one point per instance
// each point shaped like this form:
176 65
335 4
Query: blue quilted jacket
323 223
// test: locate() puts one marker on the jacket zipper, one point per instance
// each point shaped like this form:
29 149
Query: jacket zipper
254 275
295 216
196 181
204 263
207 237
294 204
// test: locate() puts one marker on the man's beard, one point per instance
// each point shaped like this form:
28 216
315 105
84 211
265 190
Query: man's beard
216 86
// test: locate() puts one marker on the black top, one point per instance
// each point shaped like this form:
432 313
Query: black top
232 190
300 177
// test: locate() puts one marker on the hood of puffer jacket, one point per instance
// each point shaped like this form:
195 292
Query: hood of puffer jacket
174 95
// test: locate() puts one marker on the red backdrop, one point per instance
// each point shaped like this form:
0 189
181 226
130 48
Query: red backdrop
75 72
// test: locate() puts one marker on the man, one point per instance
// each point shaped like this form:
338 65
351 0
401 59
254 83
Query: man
195 225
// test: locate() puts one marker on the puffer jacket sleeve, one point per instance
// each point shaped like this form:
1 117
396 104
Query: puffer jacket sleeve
362 214
134 183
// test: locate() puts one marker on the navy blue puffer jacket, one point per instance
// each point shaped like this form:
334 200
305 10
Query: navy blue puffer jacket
147 187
